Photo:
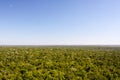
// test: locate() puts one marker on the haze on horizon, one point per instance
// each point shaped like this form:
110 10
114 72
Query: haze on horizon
59 22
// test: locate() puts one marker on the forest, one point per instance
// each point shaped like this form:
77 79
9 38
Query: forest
59 63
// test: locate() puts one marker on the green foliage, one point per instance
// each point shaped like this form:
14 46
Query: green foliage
34 63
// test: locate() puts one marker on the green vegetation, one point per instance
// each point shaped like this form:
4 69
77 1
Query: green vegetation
49 63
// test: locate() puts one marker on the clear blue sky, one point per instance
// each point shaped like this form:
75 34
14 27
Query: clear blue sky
59 22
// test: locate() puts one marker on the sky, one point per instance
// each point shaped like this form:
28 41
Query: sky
59 22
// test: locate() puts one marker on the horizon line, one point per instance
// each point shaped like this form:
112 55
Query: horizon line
61 45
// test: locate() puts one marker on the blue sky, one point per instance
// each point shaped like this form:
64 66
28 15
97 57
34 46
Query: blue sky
60 22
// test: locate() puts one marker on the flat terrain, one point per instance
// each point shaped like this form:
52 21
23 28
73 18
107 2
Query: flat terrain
59 63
